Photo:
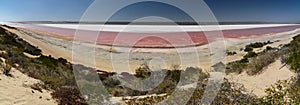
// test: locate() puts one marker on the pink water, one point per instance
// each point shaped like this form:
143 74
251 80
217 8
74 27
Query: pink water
157 40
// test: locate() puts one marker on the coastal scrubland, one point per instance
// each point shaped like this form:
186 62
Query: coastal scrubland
282 92
56 75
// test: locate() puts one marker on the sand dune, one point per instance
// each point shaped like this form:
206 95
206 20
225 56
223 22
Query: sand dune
16 91
258 83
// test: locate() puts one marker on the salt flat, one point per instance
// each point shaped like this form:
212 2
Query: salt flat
159 28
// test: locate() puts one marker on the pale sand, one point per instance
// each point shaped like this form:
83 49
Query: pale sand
258 83
30 56
122 100
16 91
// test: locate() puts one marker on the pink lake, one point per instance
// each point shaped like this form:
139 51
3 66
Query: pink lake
153 40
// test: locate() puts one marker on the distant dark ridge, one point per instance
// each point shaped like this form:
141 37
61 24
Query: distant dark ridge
151 23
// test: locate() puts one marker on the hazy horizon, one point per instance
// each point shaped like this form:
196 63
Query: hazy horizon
225 11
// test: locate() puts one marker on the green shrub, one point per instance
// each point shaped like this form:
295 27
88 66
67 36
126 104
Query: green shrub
269 48
291 54
244 60
247 49
62 60
257 64
250 54
228 95
143 71
235 67
250 46
283 92
230 53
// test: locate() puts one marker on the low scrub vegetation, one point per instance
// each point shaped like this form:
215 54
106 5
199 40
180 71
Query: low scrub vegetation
257 64
254 63
283 92
9 39
236 67
54 73
168 85
251 46
229 94
287 91
293 54
68 96
228 53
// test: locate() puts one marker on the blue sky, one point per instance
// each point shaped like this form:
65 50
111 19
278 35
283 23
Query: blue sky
224 10
42 10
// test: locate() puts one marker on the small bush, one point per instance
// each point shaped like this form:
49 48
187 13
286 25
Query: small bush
62 60
6 70
247 49
9 27
230 53
282 93
68 96
37 87
269 48
235 67
256 45
257 64
143 71
250 54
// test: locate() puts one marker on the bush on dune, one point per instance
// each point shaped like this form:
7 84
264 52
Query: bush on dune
287 91
228 53
251 46
291 56
257 64
7 70
235 67
54 73
68 96
283 92
294 55
253 62
229 94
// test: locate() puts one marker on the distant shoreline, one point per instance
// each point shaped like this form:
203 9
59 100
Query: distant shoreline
149 23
